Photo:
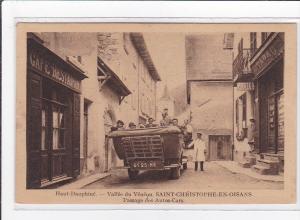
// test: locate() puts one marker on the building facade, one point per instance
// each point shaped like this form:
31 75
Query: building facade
259 98
53 116
210 92
79 85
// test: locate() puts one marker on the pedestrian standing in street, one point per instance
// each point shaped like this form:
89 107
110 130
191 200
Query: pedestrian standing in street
199 151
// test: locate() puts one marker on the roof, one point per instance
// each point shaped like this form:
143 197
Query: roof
146 131
114 82
140 45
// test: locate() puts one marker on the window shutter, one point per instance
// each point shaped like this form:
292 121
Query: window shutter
34 124
76 135
228 41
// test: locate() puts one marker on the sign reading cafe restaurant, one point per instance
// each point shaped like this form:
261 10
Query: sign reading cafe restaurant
53 116
45 65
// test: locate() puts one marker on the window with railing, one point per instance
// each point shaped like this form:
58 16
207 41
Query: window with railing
241 63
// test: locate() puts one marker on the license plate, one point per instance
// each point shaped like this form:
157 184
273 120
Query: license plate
151 164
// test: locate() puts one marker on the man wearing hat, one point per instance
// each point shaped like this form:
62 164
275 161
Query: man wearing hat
199 151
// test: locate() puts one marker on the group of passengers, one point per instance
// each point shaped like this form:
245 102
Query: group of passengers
164 122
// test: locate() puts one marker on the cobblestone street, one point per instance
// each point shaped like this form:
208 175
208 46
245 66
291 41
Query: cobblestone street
214 177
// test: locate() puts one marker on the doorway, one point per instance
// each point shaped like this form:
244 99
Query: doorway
219 147
109 121
87 103
54 130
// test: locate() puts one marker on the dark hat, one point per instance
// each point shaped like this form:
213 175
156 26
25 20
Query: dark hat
199 133
150 119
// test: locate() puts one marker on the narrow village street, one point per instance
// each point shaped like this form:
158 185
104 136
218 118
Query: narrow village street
214 177
135 106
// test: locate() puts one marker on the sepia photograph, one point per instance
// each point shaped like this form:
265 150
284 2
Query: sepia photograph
143 114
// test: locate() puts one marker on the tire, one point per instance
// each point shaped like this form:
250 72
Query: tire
175 173
184 166
132 174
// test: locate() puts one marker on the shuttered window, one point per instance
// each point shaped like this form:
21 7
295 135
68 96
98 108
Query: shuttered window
253 42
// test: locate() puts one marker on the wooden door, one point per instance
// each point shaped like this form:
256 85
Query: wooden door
272 119
85 136
34 109
76 135
280 122
219 147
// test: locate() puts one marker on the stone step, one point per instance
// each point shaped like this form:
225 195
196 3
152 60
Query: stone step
245 164
263 170
268 163
273 157
250 159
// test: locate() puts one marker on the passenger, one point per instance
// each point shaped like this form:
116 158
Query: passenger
120 125
141 125
150 123
175 122
166 120
131 125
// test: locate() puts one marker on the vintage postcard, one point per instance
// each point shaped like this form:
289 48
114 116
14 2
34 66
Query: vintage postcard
116 113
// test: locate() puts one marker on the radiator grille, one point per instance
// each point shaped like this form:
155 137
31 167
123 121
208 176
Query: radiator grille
143 147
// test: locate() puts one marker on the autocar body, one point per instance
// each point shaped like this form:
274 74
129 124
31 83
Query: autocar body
158 148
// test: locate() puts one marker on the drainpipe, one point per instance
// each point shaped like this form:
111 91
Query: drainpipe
233 118
138 90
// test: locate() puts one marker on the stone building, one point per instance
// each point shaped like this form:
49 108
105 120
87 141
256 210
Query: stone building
96 79
210 92
259 99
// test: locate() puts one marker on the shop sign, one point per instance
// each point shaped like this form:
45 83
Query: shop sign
269 55
245 86
46 66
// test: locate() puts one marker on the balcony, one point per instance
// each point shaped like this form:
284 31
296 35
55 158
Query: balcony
241 67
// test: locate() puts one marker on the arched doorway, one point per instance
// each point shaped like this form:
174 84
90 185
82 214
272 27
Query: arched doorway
220 147
109 121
